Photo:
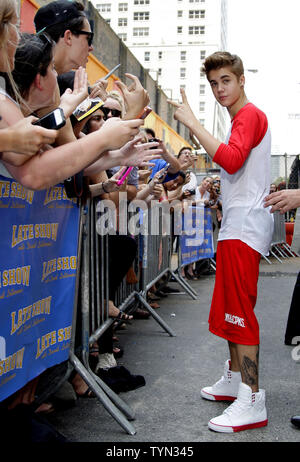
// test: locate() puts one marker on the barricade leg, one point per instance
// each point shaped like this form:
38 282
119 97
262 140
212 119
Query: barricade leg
186 287
101 395
153 313
274 255
267 260
290 251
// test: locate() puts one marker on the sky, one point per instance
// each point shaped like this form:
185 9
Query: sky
265 34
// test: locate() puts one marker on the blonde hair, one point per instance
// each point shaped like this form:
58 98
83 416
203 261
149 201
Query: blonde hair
114 94
8 10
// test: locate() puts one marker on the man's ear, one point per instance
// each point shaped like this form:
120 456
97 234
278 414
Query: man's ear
67 37
242 81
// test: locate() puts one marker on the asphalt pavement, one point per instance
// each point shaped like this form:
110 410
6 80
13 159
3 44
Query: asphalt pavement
169 407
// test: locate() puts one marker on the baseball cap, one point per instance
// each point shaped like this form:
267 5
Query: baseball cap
56 12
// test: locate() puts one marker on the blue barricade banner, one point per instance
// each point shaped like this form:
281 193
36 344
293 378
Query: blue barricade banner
197 235
38 259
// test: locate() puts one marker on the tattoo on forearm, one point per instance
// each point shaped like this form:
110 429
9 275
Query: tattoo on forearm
249 370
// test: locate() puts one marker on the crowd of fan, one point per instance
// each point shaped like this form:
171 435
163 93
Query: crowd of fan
88 155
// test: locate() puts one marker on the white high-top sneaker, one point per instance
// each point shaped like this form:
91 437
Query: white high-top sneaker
226 389
246 412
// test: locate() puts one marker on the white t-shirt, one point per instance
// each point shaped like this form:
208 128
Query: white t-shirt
245 180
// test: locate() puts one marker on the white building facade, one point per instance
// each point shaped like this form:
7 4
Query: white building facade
172 38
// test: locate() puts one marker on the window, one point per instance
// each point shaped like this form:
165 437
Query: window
183 87
202 55
196 30
179 13
182 72
159 72
202 89
141 2
123 37
183 56
202 74
140 31
197 1
196 14
107 20
160 54
104 7
122 22
202 106
202 122
147 56
141 16
123 6
179 30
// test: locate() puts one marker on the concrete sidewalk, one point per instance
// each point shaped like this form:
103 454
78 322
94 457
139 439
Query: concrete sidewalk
169 408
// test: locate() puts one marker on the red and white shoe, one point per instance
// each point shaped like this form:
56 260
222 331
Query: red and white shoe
226 389
246 412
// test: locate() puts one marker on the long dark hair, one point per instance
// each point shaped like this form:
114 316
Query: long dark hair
33 56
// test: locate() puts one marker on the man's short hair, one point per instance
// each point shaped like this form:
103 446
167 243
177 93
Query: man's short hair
59 16
223 59
183 149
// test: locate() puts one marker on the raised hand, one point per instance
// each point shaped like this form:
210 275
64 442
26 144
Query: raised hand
183 113
135 96
98 89
72 98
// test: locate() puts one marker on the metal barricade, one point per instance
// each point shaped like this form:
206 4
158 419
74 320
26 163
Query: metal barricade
91 317
279 247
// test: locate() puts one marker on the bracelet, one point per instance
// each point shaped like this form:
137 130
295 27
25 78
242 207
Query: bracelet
107 192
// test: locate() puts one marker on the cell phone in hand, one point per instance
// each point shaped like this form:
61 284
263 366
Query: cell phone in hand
164 171
53 121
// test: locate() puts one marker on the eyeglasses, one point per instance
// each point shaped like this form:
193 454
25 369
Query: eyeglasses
107 110
90 35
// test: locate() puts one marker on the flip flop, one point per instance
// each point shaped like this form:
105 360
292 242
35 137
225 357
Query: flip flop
87 394
123 317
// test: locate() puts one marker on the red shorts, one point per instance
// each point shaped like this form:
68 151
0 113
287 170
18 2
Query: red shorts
232 308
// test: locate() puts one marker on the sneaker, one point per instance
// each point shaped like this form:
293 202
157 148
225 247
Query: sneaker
226 389
246 412
106 360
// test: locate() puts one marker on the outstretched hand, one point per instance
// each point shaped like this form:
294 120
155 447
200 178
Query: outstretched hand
140 155
285 200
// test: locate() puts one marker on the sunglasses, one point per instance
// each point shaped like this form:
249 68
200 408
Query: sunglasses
89 35
107 110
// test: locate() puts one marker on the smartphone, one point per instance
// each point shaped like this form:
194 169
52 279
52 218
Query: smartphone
125 175
164 171
145 112
54 120
112 71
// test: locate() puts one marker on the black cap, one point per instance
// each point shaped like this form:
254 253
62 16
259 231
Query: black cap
56 12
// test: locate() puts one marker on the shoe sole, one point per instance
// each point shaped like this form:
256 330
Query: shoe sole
239 428
211 397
